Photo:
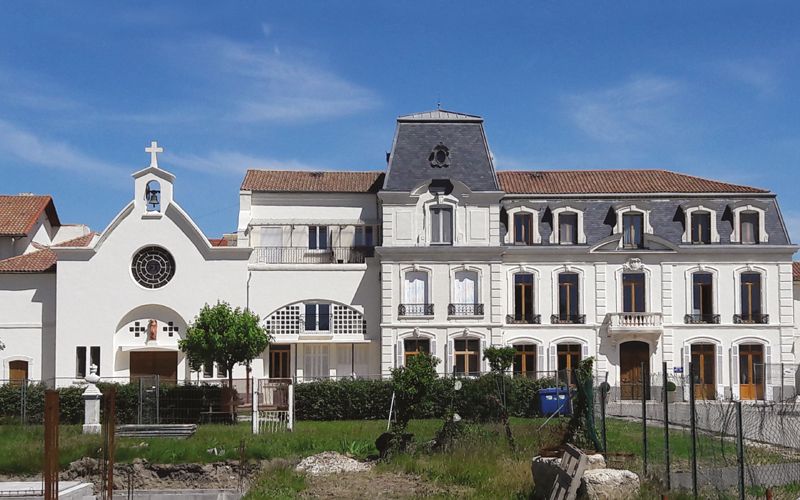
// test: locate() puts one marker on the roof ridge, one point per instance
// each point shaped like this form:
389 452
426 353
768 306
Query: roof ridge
316 171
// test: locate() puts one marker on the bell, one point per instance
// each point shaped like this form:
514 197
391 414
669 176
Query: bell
152 196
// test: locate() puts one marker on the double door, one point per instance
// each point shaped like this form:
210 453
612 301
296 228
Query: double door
751 371
704 371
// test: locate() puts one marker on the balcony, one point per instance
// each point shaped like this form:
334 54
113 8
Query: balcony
635 322
701 319
465 309
316 324
302 255
523 319
408 310
568 319
751 319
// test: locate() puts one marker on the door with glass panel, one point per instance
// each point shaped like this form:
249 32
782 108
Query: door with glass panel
704 371
751 371
632 297
569 355
525 360
279 361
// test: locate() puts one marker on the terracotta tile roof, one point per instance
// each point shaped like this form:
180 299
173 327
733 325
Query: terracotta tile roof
330 181
39 261
612 182
42 260
18 213
796 271
218 242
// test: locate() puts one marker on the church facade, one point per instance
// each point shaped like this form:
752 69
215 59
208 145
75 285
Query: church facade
353 272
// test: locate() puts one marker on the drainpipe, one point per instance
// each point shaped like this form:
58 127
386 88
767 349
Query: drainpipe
247 290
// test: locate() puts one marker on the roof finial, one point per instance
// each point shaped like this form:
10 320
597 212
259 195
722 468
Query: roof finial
154 150
439 104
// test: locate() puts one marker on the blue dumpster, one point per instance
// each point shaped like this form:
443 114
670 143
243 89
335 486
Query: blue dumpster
554 400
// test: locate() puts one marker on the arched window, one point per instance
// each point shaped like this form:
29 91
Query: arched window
525 360
465 295
568 228
749 227
700 227
523 299
568 299
415 295
750 299
17 371
702 299
152 196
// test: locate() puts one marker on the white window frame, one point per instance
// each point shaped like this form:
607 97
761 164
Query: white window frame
429 212
429 282
689 277
554 235
581 290
737 280
632 209
687 233
511 236
763 237
511 290
478 282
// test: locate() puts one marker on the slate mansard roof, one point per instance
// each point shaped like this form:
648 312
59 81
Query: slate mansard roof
18 213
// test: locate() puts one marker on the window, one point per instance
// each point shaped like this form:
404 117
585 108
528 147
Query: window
569 355
568 228
318 237
523 298
525 360
633 292
568 297
416 288
364 236
701 227
748 228
17 372
702 298
208 370
315 361
412 347
466 287
633 230
467 354
80 362
523 229
318 317
751 298
442 225
94 358
153 267
221 371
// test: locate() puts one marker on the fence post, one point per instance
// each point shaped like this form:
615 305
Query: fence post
644 422
740 448
51 408
665 392
782 382
290 424
139 406
693 427
158 399
603 394
109 423
254 407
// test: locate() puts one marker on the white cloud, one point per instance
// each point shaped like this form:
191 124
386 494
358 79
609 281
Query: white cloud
230 162
30 148
632 111
759 75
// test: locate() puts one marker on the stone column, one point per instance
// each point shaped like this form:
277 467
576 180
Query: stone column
91 402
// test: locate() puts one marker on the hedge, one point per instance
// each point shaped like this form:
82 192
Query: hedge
370 399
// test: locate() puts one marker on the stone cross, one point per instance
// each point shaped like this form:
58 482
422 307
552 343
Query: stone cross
154 150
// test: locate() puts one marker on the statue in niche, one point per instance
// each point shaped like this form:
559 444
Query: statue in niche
152 330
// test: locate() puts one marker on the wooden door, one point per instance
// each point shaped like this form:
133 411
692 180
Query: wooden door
705 369
18 371
279 361
161 363
632 355
751 371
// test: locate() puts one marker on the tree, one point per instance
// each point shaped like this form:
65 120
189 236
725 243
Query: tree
500 360
411 384
226 336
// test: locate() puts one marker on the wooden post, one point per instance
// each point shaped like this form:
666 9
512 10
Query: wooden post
110 420
50 473
290 423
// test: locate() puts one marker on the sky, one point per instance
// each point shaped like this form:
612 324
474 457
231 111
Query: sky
706 88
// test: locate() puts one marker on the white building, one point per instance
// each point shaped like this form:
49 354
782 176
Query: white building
352 272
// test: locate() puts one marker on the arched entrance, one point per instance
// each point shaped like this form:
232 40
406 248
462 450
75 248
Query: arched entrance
634 366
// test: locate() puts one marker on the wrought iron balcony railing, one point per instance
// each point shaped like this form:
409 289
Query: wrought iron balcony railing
302 255
566 319
756 319
465 309
415 310
700 319
524 319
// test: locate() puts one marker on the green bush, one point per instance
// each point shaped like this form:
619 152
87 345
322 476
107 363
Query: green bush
370 399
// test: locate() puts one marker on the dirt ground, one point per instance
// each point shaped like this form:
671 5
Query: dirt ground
373 484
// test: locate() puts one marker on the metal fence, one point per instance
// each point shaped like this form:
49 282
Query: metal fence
687 440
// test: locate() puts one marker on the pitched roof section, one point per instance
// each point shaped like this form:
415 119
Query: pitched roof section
417 139
43 260
613 182
18 213
796 271
80 241
312 182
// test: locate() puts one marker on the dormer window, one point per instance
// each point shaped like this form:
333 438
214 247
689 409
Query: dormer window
749 228
152 196
633 230
440 156
523 229
568 228
701 227
441 225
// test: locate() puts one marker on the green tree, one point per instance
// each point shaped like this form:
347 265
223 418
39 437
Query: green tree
500 360
411 384
226 336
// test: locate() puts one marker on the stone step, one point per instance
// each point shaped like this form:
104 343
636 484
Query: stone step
181 431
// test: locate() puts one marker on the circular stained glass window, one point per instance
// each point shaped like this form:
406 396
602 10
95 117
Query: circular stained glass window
153 267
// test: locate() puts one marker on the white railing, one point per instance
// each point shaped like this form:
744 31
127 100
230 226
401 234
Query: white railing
635 320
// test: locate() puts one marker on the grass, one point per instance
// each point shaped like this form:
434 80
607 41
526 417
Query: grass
483 465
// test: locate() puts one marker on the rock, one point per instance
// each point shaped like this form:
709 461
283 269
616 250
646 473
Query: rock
596 461
609 484
330 462
544 470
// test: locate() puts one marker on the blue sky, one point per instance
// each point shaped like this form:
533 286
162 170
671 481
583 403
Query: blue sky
708 88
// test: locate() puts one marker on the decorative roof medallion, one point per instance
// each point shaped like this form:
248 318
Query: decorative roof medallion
440 156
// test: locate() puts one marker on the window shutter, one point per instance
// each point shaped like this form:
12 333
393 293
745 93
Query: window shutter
540 362
553 364
720 385
484 362
585 351
687 360
433 348
768 374
399 352
450 362
735 371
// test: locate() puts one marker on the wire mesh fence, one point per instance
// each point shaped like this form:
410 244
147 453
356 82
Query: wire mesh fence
676 434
